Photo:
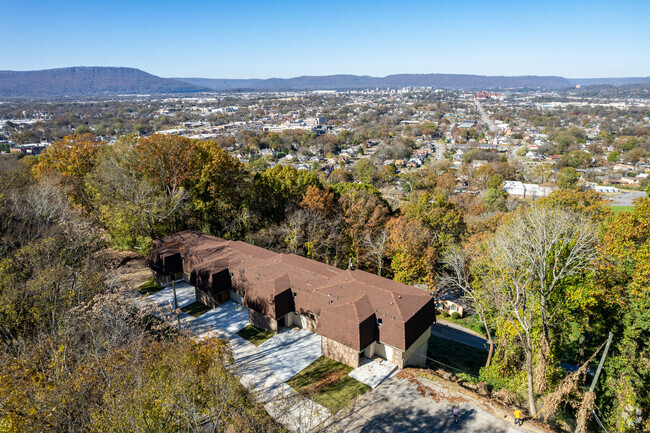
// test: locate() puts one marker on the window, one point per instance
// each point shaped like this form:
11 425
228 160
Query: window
379 321
453 307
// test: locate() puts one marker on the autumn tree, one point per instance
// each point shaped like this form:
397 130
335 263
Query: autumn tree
319 200
221 192
363 213
169 160
72 157
528 265
626 250
421 235
365 171
133 209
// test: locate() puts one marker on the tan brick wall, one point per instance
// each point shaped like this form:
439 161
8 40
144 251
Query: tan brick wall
340 352
262 322
397 358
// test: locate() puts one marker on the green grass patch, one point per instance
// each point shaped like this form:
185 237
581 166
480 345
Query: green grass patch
195 309
618 209
255 335
149 287
327 382
460 357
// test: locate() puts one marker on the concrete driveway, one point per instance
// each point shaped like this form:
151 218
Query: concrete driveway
227 317
290 351
265 369
165 298
397 406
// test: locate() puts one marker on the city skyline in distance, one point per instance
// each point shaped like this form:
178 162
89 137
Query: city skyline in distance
286 39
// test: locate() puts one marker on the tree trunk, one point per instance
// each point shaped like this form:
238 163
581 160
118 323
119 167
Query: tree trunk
543 305
489 336
529 376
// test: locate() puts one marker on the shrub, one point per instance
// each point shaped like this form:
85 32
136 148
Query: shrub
455 315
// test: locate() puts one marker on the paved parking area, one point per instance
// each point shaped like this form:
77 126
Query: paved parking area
397 406
290 351
227 317
372 373
165 298
259 368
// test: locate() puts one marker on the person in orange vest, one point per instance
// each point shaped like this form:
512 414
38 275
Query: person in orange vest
518 417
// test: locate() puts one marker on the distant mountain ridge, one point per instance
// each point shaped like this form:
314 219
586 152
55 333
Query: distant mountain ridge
623 81
88 81
108 81
350 82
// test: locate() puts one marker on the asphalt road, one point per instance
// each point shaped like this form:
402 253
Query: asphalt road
459 334
627 198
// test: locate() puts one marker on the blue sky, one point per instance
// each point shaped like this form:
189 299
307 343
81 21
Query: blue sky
262 39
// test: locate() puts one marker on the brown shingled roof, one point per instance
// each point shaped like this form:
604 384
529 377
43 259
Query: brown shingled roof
347 302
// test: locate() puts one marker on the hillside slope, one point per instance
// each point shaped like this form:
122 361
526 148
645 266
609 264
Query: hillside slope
88 81
343 82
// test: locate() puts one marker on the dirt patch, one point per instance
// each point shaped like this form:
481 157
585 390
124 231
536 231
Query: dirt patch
124 269
324 382
499 403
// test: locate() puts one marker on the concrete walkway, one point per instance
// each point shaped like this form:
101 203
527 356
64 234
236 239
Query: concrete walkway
373 372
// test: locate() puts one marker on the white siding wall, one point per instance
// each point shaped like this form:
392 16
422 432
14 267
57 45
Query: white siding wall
236 297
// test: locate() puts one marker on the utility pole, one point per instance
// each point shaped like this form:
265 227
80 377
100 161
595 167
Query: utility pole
598 370
178 317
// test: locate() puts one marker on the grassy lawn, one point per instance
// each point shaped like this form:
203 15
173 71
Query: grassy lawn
195 309
619 209
327 383
460 357
149 287
254 335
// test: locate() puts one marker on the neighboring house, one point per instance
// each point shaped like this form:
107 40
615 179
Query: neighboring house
356 313
622 167
450 301
520 189
599 188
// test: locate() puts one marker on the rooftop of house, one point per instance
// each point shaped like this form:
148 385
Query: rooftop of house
276 284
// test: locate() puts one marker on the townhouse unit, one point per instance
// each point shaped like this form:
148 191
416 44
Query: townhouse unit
356 313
